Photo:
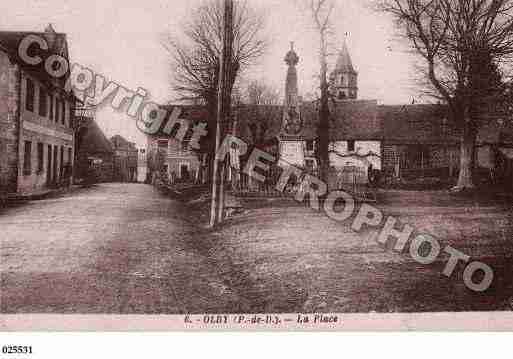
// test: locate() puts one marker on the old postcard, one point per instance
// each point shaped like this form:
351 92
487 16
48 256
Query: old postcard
311 165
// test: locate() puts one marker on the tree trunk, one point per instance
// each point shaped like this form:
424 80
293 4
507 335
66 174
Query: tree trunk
210 149
324 114
468 140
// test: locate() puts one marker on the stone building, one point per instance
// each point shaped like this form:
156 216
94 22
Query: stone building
36 118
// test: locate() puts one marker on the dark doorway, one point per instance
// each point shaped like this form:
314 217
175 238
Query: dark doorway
184 172
62 163
55 173
49 166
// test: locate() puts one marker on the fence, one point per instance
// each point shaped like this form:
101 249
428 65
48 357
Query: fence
245 186
353 180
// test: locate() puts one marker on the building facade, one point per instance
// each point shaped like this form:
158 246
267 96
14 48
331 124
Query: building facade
36 119
174 160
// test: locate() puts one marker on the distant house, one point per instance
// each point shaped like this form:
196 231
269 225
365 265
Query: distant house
95 157
180 163
36 117
126 158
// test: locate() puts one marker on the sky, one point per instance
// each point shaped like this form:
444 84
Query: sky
121 40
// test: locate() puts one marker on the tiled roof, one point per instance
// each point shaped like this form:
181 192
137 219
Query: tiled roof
94 140
352 120
418 124
359 120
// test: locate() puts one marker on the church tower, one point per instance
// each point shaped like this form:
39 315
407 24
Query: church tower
344 78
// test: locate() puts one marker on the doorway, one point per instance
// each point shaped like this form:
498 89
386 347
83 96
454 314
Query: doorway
55 173
49 166
184 172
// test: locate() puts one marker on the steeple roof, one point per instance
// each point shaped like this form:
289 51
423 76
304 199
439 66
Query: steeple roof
344 63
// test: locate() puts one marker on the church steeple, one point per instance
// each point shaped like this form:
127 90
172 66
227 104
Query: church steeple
344 78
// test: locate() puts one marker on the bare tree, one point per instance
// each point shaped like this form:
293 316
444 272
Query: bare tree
195 58
321 11
259 92
462 44
265 97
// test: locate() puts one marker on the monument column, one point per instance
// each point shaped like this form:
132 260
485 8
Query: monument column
291 143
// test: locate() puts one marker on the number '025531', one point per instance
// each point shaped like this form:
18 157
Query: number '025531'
16 349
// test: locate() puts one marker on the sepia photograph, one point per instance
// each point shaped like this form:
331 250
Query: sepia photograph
286 165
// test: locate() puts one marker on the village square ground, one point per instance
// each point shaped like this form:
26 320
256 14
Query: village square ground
128 248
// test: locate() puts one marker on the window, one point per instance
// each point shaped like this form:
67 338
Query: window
62 161
69 156
40 157
254 132
445 126
27 158
63 113
71 116
310 145
29 99
49 165
55 168
51 108
43 102
57 109
350 145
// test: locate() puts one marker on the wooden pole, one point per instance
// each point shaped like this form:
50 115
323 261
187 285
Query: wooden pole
223 109
220 215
